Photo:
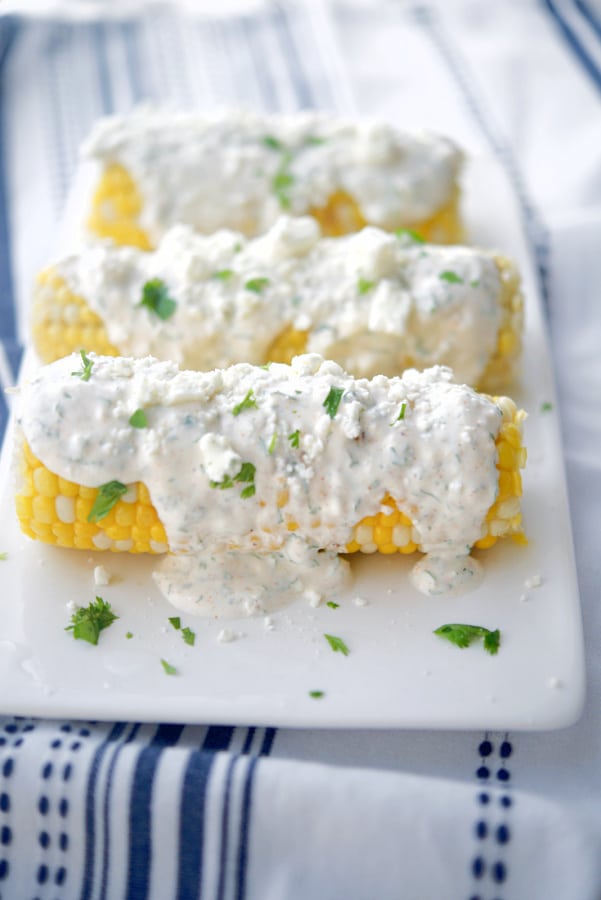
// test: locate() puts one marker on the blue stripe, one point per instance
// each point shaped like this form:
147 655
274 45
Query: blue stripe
225 821
192 813
9 29
106 807
114 735
589 15
99 37
535 231
302 87
573 41
268 739
248 741
140 811
245 829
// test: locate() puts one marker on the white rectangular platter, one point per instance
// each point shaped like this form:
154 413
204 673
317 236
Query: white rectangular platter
398 674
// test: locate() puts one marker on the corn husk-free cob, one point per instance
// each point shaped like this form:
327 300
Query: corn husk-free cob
138 456
374 302
241 170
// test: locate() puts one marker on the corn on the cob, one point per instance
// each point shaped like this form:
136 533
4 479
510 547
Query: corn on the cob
305 482
374 302
240 170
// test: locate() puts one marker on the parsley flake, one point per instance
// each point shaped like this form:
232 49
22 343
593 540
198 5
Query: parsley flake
3 556
317 695
546 406
108 495
189 636
272 142
410 235
294 438
86 367
332 401
176 622
256 285
463 635
129 635
364 286
138 419
332 605
223 274
337 644
155 297
272 442
88 621
249 402
451 277
282 181
246 475
401 414
168 668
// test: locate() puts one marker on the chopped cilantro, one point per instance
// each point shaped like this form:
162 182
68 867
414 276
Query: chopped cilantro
282 180
364 286
246 475
155 297
223 274
317 695
272 142
3 556
86 367
332 401
401 414
337 644
256 285
332 605
176 622
463 635
410 234
189 636
237 247
546 406
129 635
138 419
249 402
475 283
451 277
88 621
169 669
272 442
294 438
314 141
108 495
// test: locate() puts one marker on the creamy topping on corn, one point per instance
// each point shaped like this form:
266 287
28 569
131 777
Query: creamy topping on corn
273 465
374 302
241 169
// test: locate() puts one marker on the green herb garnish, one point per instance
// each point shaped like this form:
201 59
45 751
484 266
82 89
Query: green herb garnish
294 438
337 644
463 635
272 142
3 556
401 414
332 401
332 605
176 622
272 442
169 669
246 475
364 286
88 621
282 180
108 495
155 297
451 277
312 140
249 402
546 406
86 367
475 283
317 695
138 419
256 285
189 636
223 274
129 635
409 233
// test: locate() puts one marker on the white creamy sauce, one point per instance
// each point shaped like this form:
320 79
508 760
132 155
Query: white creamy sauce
239 169
374 302
298 471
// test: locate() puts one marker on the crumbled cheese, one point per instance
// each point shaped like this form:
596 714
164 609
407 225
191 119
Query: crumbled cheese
101 575
533 582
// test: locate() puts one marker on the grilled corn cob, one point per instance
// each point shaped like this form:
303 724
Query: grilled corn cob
241 170
138 456
374 302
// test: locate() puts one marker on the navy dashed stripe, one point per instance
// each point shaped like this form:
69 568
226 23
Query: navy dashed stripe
571 38
243 846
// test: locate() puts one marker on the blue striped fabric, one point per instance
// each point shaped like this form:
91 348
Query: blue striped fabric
573 19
